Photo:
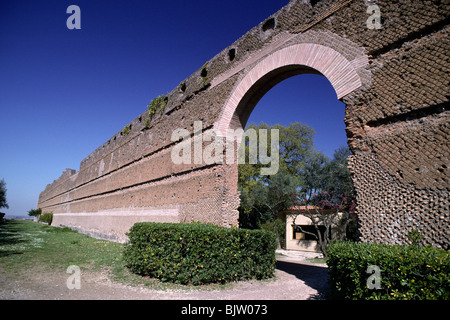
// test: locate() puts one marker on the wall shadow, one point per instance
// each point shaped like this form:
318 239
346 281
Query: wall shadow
313 276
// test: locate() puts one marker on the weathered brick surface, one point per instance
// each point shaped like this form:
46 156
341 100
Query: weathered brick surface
389 209
394 82
412 77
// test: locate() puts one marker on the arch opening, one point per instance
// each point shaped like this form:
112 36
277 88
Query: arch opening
280 65
260 88
284 88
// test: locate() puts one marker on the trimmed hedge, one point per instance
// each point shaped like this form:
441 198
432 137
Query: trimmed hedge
197 253
406 272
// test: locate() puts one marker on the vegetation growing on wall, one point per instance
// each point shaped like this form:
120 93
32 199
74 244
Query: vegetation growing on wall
156 106
204 74
125 131
182 87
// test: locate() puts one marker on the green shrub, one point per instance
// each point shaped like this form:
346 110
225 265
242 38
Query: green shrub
46 217
198 253
406 272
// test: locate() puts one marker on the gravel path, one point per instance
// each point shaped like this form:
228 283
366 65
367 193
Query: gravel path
295 279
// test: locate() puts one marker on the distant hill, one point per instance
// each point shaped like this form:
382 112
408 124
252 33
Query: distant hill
18 218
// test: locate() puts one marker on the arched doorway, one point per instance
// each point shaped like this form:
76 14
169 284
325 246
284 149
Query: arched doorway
298 59
309 99
280 65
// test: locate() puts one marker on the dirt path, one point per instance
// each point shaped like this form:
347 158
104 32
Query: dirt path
295 279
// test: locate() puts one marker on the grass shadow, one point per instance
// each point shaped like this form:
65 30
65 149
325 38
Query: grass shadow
6 253
10 233
11 239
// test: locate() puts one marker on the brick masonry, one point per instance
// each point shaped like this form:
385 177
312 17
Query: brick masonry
394 82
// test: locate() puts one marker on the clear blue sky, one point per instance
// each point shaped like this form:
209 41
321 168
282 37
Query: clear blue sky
64 92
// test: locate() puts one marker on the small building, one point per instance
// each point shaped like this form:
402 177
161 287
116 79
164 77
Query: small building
296 224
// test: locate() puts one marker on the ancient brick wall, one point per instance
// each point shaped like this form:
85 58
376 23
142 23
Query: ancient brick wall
393 80
399 128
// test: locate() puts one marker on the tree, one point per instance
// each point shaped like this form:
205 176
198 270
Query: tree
3 203
324 175
337 175
330 215
327 198
306 177
314 175
269 199
265 201
35 212
263 197
296 146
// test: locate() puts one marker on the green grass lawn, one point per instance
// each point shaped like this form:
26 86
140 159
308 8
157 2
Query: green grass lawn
26 246
317 260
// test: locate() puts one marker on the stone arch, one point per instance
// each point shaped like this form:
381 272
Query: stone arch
280 65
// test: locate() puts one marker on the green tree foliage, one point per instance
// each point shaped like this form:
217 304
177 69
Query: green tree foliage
324 175
339 179
295 147
313 175
35 212
265 200
3 203
263 197
328 186
305 177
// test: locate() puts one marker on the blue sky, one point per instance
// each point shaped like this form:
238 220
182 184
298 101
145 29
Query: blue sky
65 92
